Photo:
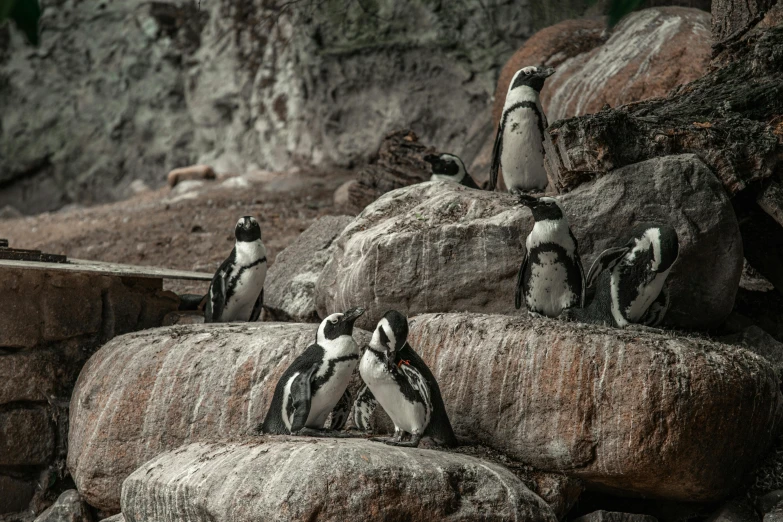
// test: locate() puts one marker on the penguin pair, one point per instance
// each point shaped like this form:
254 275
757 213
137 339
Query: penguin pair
316 384
627 282
236 292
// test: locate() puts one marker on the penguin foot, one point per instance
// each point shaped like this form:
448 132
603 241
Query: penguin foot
385 440
535 315
406 444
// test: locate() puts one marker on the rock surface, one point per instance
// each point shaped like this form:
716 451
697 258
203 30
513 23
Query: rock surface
69 507
440 247
289 289
758 341
15 494
555 395
153 391
27 437
337 480
649 53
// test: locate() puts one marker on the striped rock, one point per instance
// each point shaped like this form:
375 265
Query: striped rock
635 411
285 479
148 392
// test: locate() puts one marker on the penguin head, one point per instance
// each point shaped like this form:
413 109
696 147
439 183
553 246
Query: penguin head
391 334
247 229
337 325
658 243
543 208
531 76
446 167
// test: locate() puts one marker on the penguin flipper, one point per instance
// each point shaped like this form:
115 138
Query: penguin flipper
497 149
363 409
256 313
520 290
469 182
216 299
606 260
655 313
340 411
301 395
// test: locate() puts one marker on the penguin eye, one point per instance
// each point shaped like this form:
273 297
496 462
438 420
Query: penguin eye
527 72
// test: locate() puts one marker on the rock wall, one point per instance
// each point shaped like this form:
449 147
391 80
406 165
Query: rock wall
49 326
127 90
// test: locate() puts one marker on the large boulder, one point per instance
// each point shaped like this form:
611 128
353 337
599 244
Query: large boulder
330 480
69 507
152 391
632 411
289 289
440 247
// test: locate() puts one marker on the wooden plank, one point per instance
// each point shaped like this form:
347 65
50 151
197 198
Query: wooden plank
30 255
3 243
102 268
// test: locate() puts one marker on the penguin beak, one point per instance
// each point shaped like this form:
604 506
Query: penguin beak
549 71
431 159
528 201
351 315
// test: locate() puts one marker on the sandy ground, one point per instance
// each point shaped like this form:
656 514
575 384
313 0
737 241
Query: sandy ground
189 227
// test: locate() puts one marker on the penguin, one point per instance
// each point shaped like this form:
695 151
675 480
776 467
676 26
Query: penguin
404 386
629 280
519 143
363 409
316 381
550 278
447 167
237 289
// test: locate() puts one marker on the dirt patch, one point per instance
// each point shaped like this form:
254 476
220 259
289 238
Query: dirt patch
188 228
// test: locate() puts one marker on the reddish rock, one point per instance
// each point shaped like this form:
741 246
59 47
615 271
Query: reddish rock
296 479
148 392
640 412
26 437
191 173
650 52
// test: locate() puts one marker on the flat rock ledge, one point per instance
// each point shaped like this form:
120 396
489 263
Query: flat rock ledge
637 411
345 480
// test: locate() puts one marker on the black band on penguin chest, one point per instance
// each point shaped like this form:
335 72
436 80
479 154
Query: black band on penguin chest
525 105
633 276
232 283
332 364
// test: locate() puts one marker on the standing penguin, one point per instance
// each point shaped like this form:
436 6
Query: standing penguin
551 277
448 167
237 289
629 280
316 381
404 386
519 143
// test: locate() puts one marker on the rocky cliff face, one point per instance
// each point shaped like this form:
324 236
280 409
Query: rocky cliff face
127 90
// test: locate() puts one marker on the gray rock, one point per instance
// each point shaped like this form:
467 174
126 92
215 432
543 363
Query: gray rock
149 392
769 501
735 510
69 507
9 212
776 515
557 396
438 247
613 516
290 479
289 290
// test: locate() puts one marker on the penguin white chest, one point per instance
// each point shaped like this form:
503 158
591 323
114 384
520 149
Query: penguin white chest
522 157
340 361
247 287
645 295
549 290
408 415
